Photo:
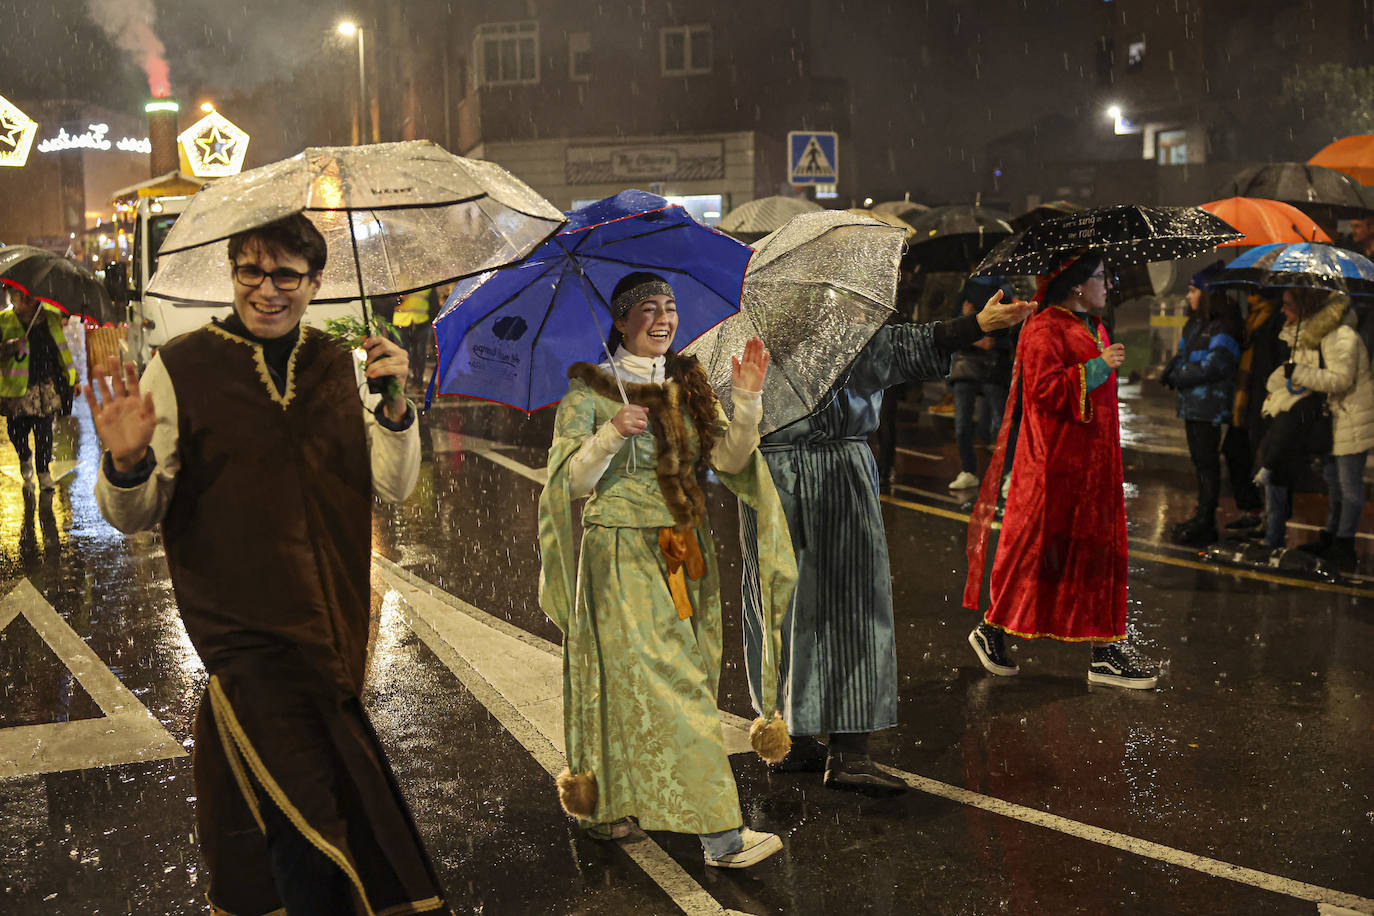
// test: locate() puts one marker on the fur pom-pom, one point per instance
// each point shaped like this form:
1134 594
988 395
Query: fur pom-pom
769 738
577 793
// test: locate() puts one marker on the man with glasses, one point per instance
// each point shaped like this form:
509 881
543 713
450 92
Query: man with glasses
247 441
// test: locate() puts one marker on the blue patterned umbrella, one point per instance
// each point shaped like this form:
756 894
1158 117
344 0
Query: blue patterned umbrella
1314 265
510 335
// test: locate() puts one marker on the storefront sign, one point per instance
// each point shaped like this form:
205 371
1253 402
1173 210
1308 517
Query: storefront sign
16 134
688 161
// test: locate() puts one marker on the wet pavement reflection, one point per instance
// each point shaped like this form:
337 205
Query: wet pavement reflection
1254 751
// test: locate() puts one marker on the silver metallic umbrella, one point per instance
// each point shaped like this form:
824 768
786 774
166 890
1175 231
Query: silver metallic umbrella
816 292
752 221
398 217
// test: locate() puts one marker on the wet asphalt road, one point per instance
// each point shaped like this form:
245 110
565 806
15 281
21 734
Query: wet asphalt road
1254 753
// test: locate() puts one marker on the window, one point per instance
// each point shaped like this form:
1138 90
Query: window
507 53
685 50
1135 55
1171 147
580 56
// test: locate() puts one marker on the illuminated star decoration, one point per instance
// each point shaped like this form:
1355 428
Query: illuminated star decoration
16 134
214 146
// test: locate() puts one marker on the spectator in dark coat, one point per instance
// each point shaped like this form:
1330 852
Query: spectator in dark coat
1204 373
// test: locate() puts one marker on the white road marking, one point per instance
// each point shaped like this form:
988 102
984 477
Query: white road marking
902 450
445 441
519 679
522 673
127 733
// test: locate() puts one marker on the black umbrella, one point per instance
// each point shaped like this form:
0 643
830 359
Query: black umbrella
1126 234
55 279
1050 209
1324 194
954 238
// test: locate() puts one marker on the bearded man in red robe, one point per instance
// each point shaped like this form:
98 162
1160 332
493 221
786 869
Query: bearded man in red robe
1060 565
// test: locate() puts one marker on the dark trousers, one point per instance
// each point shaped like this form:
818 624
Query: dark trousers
1206 447
965 403
308 882
41 427
415 339
887 431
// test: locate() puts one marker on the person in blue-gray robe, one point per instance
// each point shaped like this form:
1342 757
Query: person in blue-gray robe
838 669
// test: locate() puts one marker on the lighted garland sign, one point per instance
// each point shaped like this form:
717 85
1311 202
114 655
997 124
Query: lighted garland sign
16 134
214 146
94 137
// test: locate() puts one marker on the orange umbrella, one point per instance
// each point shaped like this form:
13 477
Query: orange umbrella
1352 155
1264 221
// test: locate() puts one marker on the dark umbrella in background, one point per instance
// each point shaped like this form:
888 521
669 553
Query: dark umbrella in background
1324 194
954 238
510 335
1126 234
1050 209
57 280
816 291
752 221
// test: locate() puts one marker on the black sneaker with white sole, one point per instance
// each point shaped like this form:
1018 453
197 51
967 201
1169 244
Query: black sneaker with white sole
1111 667
991 648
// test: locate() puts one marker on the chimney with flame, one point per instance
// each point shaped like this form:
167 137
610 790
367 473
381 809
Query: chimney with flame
162 133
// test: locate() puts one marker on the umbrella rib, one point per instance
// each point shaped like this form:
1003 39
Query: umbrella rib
543 322
675 270
654 230
507 301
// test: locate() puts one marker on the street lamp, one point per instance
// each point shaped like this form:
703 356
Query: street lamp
348 29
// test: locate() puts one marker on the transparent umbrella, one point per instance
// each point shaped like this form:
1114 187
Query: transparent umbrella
816 292
397 217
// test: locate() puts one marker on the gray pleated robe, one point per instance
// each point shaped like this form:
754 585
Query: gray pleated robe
838 670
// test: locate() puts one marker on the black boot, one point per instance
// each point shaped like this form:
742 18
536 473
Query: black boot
1320 545
806 755
1341 554
1196 532
849 769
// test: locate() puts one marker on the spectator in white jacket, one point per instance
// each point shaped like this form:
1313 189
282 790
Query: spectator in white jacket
1328 356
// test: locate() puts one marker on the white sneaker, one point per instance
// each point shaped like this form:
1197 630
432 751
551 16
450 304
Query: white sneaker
1006 486
757 847
964 481
45 481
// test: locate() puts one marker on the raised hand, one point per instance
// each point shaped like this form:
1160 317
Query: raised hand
631 420
747 372
385 357
126 419
1114 355
998 314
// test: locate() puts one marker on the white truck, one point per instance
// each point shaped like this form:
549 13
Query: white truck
154 321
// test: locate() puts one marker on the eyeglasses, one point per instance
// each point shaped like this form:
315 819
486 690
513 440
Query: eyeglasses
284 279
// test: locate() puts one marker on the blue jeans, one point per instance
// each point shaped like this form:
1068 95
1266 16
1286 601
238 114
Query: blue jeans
1344 493
965 402
1277 508
723 843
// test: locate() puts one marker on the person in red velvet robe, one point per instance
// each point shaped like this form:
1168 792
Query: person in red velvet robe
1060 565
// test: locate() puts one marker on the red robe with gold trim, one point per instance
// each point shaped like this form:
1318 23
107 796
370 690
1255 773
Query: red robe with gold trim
1060 565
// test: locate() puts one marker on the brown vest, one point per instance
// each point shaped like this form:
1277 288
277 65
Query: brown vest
268 534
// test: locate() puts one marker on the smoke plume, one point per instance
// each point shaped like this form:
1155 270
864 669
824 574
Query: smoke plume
129 23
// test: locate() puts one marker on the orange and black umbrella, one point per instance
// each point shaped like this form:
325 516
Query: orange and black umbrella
1264 221
1352 155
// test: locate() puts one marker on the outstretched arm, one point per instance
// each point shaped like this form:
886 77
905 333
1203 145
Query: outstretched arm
732 453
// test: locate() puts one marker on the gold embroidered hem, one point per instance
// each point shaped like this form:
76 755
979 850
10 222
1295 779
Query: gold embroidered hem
283 398
1021 635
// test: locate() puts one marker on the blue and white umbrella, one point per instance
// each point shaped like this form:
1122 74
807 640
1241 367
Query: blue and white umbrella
1312 265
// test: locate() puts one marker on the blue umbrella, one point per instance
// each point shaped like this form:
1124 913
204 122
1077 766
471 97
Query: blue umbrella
509 335
1314 265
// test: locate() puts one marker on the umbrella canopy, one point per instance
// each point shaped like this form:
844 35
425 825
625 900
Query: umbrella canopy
904 210
57 280
1126 234
1265 221
1325 194
1310 265
1353 156
510 335
755 219
816 292
397 217
955 238
1050 209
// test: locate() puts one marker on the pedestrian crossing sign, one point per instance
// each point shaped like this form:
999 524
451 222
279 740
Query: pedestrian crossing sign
813 157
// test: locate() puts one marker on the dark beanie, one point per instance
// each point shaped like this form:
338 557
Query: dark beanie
1203 278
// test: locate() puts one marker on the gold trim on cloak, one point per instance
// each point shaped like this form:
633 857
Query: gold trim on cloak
224 716
285 398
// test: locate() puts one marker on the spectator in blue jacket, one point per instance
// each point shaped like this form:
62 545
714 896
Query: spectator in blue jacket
1203 372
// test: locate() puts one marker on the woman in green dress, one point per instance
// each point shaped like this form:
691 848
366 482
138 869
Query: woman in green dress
640 606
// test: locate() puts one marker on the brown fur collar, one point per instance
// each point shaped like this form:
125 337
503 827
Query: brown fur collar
676 473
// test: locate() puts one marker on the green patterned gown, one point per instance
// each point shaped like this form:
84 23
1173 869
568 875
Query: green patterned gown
639 684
